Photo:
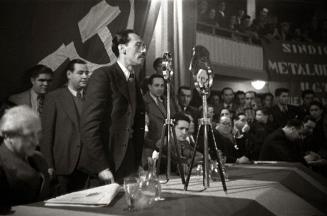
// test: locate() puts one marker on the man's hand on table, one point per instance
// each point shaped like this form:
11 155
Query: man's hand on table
106 176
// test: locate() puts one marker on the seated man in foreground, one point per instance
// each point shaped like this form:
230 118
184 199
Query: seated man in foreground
23 171
283 144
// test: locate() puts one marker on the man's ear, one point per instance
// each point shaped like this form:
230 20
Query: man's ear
122 48
32 80
68 74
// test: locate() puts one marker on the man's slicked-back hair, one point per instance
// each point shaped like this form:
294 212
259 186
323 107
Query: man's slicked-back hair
157 62
226 88
264 111
238 116
296 123
71 64
151 78
308 118
121 37
268 94
307 92
181 117
38 69
183 88
318 104
279 91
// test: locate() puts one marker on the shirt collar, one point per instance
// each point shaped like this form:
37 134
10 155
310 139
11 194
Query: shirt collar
74 92
155 98
283 108
33 95
227 105
124 69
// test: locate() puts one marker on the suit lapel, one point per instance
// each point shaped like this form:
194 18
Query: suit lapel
158 112
120 81
68 105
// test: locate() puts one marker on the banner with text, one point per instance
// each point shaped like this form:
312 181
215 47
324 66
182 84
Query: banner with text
302 65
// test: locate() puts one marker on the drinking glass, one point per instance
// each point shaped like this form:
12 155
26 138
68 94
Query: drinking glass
131 188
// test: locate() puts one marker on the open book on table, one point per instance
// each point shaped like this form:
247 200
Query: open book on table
94 197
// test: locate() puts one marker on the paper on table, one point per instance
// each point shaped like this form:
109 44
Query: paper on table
265 162
98 196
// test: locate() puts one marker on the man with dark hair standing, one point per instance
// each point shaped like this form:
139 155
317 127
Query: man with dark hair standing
112 121
61 143
40 77
283 145
282 111
155 106
184 98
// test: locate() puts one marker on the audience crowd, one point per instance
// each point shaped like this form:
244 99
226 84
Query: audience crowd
246 127
264 26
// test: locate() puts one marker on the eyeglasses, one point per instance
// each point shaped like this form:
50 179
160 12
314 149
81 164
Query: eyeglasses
140 46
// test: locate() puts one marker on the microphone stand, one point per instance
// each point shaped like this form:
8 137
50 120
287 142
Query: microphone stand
203 81
168 134
205 123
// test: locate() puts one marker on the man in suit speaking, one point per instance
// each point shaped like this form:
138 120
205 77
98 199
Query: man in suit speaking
112 121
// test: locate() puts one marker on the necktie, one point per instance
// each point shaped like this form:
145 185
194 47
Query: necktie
284 109
131 89
40 101
131 77
161 105
79 94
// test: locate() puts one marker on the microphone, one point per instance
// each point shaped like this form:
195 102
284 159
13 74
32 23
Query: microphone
201 69
167 65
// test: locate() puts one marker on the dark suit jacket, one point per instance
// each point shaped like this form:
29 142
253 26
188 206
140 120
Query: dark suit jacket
61 143
221 20
23 98
277 147
106 120
156 121
194 112
22 181
280 118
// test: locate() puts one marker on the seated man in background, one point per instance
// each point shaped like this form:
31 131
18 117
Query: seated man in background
183 103
181 128
23 171
184 98
233 146
260 129
240 132
307 98
283 144
40 77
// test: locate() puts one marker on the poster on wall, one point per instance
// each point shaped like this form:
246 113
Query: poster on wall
301 65
53 32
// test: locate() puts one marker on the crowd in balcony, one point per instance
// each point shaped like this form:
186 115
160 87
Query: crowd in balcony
264 26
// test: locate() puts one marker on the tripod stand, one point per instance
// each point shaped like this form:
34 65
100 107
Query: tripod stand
206 125
168 131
